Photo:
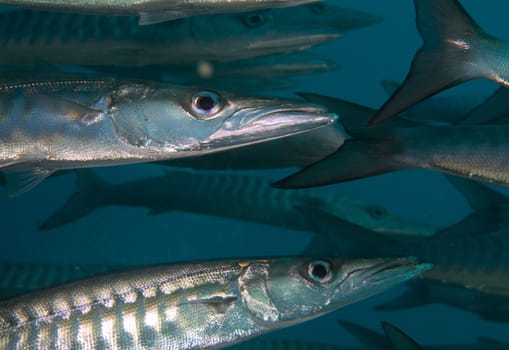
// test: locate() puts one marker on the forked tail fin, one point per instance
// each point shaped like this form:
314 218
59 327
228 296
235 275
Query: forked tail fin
369 154
88 197
455 50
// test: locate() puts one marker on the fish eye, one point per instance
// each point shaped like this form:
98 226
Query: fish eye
377 212
317 8
206 103
254 20
320 271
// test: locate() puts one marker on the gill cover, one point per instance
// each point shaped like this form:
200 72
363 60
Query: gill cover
253 290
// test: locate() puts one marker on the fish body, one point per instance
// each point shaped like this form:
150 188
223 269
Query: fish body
151 11
190 306
472 151
240 197
468 254
66 123
99 41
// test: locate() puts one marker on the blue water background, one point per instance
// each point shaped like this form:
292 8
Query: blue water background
128 235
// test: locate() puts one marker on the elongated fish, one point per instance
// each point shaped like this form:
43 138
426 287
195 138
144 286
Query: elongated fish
240 197
64 123
193 306
152 11
465 254
479 152
120 42
455 50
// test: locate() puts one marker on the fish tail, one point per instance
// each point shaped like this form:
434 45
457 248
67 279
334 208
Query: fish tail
455 50
369 153
89 195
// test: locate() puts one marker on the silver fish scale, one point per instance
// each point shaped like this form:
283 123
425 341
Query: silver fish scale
134 311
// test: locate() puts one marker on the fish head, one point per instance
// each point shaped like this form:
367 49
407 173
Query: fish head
295 289
237 36
191 121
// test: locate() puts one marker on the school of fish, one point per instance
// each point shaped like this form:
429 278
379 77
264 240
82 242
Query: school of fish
204 91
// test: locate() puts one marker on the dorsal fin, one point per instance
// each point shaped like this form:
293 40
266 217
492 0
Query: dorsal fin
398 339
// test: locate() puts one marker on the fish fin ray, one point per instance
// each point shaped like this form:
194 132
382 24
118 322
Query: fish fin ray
398 339
448 57
21 181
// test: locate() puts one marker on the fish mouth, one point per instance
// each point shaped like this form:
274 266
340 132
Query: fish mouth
297 42
379 275
254 125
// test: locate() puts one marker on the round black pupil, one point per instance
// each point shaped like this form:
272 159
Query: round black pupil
255 19
319 271
205 103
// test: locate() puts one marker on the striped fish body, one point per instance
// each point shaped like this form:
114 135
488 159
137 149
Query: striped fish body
187 306
222 194
193 306
32 38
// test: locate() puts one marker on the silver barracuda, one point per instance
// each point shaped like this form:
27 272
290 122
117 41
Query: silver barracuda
152 11
193 306
101 41
478 152
241 197
65 123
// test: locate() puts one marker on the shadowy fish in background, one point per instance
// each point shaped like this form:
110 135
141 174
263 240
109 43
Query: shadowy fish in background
151 11
120 42
240 197
472 253
258 69
488 307
196 305
395 339
65 122
455 50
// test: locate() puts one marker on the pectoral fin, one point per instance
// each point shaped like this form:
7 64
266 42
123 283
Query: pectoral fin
218 303
147 18
19 182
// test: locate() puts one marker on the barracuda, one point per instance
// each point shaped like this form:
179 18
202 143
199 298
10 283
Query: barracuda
65 123
240 197
101 41
191 306
152 11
